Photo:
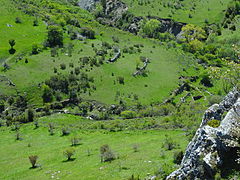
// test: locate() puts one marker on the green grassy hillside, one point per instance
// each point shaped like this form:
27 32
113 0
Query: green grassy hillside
151 154
24 33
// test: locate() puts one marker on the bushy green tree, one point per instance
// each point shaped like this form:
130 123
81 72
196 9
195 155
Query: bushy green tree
12 43
47 94
191 32
30 115
151 28
69 153
55 36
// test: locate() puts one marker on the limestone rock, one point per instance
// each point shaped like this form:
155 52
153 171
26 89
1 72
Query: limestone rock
213 149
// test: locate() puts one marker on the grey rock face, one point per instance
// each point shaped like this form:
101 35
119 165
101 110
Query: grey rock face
213 149
87 4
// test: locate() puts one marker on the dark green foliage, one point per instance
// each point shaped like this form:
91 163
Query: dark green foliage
18 20
88 32
2 106
35 49
120 79
206 81
12 44
30 115
63 66
55 36
47 94
21 102
177 157
33 160
35 22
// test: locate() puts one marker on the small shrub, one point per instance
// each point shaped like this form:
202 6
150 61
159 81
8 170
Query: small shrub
33 160
18 136
169 144
36 124
106 153
51 128
63 66
35 49
65 131
18 20
75 141
214 123
177 157
68 153
120 79
35 22
135 147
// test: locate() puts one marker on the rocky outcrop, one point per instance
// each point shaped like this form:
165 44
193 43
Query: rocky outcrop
141 70
116 56
213 149
87 4
169 25
116 13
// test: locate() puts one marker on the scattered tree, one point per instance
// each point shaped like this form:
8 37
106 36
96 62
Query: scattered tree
106 153
68 153
33 160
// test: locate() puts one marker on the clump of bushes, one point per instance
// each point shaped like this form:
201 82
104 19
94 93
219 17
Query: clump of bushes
128 114
33 160
106 153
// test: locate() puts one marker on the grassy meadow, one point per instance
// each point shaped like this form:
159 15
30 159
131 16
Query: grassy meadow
188 11
24 33
150 156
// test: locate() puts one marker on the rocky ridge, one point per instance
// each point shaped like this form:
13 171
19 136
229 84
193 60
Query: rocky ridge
214 150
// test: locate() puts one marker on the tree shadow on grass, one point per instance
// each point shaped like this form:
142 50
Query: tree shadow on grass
69 160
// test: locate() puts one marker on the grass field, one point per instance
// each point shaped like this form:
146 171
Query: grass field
200 10
151 156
